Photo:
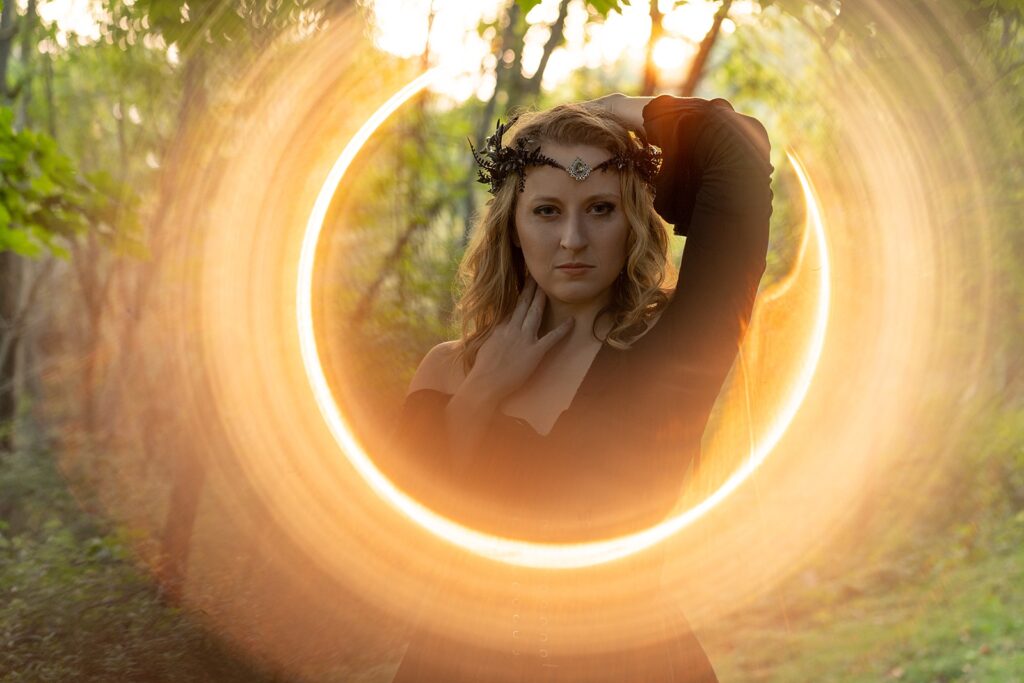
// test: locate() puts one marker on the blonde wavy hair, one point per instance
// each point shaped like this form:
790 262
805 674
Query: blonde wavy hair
493 270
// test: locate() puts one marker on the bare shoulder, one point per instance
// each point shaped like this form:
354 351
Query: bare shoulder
440 370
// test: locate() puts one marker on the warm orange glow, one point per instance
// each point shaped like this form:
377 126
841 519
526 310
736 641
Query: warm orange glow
880 314
672 53
690 20
400 28
562 556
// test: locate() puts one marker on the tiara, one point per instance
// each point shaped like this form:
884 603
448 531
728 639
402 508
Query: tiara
497 161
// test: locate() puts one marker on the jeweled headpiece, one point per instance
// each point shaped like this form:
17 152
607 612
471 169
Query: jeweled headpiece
497 161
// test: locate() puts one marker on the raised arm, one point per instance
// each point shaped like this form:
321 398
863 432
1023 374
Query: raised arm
737 157
714 187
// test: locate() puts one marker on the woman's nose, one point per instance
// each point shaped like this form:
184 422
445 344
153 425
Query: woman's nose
573 232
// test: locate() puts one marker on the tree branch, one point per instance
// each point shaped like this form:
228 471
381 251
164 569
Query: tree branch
650 68
13 329
697 67
554 40
366 302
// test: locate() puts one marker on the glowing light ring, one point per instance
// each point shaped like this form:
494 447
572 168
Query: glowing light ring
511 551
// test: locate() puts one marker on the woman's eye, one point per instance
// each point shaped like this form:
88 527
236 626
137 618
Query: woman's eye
601 209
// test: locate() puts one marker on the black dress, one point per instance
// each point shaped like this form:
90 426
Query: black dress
616 459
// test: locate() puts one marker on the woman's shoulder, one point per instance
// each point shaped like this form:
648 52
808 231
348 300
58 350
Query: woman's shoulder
441 369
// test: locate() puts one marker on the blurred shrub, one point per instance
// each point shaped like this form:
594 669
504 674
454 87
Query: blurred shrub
74 606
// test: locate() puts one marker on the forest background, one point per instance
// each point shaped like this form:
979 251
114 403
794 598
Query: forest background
95 101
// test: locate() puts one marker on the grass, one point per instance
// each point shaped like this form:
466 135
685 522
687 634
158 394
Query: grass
966 624
944 603
74 606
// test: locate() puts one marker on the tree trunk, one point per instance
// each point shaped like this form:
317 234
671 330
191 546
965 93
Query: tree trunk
11 265
10 288
650 68
9 262
365 305
28 382
696 71
188 474
8 30
51 114
413 198
509 80
93 286
19 303
28 27
176 541
508 42
557 36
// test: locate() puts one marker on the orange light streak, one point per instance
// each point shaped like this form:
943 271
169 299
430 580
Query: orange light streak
512 551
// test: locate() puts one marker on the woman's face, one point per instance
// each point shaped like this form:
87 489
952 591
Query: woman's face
560 220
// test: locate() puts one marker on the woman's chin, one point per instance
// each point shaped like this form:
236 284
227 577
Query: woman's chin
575 293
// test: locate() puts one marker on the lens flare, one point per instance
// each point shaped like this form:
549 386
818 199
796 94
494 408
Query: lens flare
249 421
540 555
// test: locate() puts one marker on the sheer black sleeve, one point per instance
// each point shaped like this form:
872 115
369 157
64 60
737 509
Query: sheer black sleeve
715 188
418 457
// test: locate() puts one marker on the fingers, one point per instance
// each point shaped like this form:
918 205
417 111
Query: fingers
525 298
534 314
556 335
529 313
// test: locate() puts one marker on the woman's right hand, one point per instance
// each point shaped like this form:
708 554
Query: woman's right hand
511 353
629 109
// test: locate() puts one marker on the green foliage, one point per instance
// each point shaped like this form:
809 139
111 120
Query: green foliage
962 625
112 103
42 197
989 486
184 24
527 5
600 7
942 603
190 25
73 605
45 202
412 191
114 215
603 7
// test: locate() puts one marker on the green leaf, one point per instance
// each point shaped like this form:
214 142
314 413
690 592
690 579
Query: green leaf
43 186
19 242
44 202
527 5
603 7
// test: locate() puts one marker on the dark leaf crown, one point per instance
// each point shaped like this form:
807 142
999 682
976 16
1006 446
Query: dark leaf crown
498 161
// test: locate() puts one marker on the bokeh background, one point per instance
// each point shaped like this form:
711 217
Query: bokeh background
162 500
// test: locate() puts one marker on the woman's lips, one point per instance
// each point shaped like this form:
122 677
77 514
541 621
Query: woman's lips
574 270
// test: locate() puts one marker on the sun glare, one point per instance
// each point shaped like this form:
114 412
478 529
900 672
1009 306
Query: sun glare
672 53
452 36
71 16
455 41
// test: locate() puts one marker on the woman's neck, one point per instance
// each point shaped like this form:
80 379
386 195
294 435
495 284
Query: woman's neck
556 312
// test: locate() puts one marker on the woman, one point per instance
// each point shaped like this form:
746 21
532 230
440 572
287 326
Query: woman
572 408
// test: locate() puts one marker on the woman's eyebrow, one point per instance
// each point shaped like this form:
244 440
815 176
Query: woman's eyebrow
601 195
